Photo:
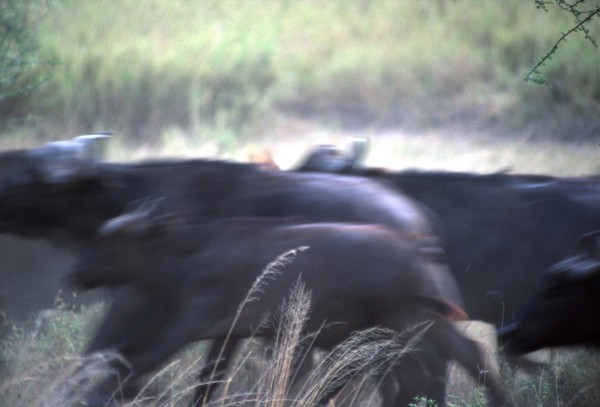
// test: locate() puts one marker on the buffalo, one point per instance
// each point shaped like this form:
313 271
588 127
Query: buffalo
73 209
193 277
562 312
70 206
32 282
29 282
500 231
31 269
22 291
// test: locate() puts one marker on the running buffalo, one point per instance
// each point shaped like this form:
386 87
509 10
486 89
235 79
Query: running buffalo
500 230
31 269
564 309
194 277
74 207
69 206
21 290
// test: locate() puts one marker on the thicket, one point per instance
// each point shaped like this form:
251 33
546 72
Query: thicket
229 67
44 359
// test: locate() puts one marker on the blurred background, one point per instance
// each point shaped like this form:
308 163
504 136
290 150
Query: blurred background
434 83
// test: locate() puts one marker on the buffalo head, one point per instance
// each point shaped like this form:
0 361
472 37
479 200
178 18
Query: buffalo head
31 207
66 160
564 310
55 182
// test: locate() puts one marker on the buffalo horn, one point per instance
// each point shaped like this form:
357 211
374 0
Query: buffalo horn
138 216
66 160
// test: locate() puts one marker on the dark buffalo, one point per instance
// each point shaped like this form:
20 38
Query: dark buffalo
31 273
15 298
70 208
194 277
197 189
31 269
501 230
564 309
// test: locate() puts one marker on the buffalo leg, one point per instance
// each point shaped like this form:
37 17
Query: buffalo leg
129 328
139 359
219 357
421 373
130 319
453 345
122 326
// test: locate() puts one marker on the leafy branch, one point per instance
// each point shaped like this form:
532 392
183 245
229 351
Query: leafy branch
583 16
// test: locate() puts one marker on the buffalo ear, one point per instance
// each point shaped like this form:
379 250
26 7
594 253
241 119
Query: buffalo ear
588 245
146 208
584 263
150 209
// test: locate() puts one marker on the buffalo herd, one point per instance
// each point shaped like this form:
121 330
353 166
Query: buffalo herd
178 244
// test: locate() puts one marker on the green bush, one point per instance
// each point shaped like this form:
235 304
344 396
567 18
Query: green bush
21 69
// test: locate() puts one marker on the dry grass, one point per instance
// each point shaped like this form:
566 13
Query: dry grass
59 376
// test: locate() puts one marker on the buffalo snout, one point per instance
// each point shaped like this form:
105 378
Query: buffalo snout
514 338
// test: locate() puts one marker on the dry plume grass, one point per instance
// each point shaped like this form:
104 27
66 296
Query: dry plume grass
64 378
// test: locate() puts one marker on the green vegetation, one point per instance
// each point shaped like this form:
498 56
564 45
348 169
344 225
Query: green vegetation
583 14
227 69
42 354
19 64
572 379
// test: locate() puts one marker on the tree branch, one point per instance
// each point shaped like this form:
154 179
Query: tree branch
534 74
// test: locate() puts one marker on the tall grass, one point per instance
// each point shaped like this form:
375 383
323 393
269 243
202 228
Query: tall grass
44 372
45 369
223 68
53 375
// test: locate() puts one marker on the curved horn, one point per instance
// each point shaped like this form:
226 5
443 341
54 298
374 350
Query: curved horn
138 216
93 144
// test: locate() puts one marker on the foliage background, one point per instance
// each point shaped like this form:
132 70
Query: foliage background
228 70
